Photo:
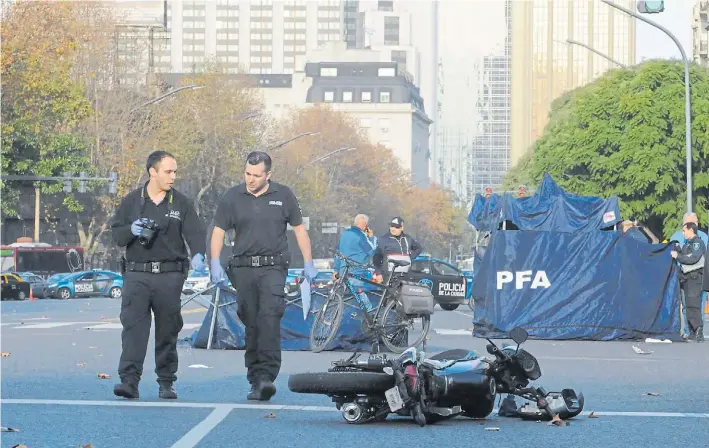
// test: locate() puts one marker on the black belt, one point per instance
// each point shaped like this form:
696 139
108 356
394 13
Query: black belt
258 261
156 267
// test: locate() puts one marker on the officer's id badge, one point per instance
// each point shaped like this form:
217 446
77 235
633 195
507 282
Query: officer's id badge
174 214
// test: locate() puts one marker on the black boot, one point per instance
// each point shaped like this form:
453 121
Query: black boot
166 390
262 390
699 335
126 390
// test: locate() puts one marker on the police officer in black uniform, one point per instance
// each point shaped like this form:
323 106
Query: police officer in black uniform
259 211
153 222
691 260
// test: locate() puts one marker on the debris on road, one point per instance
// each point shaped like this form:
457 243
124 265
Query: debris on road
6 429
270 415
104 376
199 366
652 394
80 364
592 415
20 446
640 351
558 421
492 428
92 346
5 354
657 341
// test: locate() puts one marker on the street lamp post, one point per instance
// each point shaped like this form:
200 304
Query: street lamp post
285 142
687 100
593 50
299 170
162 97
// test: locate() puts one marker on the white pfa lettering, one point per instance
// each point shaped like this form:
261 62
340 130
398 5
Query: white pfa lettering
540 279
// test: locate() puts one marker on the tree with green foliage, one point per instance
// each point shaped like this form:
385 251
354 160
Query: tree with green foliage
624 135
41 104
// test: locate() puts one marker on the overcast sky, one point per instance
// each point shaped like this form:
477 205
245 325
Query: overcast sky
653 43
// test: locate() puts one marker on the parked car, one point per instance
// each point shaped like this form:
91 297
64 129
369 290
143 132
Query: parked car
38 285
449 285
196 281
13 287
87 284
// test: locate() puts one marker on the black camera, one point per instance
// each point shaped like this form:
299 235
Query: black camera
148 233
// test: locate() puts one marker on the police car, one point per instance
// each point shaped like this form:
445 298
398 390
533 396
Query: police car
449 285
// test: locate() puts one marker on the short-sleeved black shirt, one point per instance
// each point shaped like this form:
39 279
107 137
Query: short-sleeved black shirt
260 222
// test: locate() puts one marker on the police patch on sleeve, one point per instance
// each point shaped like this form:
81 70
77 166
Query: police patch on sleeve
695 246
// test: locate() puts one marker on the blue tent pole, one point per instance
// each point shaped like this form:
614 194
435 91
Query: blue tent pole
214 318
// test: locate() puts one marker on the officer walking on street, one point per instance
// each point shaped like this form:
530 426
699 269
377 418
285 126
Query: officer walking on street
259 211
152 222
691 259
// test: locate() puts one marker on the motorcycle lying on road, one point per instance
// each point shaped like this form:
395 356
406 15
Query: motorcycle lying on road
450 384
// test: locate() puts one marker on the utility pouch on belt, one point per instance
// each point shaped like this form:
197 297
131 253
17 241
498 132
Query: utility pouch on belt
122 264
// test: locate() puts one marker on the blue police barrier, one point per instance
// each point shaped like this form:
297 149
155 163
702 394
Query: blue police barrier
599 285
229 330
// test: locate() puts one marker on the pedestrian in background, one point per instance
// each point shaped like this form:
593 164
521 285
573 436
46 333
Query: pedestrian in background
259 211
152 223
692 259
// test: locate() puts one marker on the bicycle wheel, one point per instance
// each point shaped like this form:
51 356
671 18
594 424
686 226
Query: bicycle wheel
397 329
334 303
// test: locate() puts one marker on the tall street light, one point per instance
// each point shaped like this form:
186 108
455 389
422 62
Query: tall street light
593 50
299 170
687 97
162 97
285 142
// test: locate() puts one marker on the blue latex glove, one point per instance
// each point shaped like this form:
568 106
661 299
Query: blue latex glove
197 263
309 271
216 274
137 226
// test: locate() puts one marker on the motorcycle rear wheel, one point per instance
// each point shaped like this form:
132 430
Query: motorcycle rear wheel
340 383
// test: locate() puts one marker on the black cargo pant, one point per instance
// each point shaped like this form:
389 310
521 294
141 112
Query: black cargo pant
143 292
691 283
262 303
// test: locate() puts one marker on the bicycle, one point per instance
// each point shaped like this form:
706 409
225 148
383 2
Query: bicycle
343 291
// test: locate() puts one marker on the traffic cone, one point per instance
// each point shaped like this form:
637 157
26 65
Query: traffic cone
706 307
31 295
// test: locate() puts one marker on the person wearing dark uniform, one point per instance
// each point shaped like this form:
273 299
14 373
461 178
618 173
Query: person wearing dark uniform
691 259
259 210
396 243
152 223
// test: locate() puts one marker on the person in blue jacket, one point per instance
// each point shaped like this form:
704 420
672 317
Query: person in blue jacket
358 243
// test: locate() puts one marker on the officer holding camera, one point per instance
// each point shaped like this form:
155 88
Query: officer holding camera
152 223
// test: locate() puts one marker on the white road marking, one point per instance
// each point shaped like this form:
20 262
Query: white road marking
166 404
199 432
449 332
47 325
110 326
190 326
464 314
278 407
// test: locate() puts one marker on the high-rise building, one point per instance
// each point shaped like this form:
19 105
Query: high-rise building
544 65
260 36
700 33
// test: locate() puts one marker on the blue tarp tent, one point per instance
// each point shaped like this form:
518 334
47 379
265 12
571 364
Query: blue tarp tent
560 276
549 209
229 332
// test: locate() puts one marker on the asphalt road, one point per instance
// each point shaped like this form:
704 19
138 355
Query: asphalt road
51 391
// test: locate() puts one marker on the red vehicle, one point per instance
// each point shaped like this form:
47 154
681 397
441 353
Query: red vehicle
40 258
